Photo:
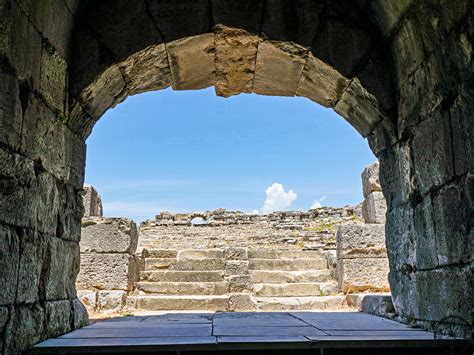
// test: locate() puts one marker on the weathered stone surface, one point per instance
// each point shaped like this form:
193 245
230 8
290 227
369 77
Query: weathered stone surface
47 140
180 288
105 92
379 305
235 253
92 202
60 272
170 18
432 153
361 274
198 264
108 235
288 264
240 283
111 300
207 303
370 179
294 289
192 62
24 328
53 77
10 111
200 253
299 303
388 14
236 267
81 318
321 83
32 265
107 272
147 70
3 322
9 263
360 108
361 240
88 298
239 302
58 317
236 53
182 276
263 276
374 208
278 68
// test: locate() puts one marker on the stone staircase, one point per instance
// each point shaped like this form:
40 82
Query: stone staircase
236 279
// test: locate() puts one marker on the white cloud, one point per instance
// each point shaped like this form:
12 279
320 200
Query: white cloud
277 199
318 203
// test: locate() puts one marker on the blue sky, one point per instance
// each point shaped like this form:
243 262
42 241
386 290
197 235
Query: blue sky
194 151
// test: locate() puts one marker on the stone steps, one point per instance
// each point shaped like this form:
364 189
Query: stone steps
183 288
295 289
298 303
288 264
265 276
277 254
182 276
194 302
183 264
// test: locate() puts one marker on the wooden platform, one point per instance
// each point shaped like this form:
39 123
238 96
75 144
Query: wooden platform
302 332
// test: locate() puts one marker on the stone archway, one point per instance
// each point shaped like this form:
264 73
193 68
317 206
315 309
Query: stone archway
401 73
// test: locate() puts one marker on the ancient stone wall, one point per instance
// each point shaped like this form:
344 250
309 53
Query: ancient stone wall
109 266
362 262
311 230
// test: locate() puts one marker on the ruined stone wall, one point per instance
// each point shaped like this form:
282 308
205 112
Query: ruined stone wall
362 262
41 176
313 229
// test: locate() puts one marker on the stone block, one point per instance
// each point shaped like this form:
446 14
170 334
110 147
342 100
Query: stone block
52 19
108 235
236 53
360 240
236 267
58 315
92 202
240 283
3 322
53 77
61 264
432 152
387 13
9 264
235 253
10 111
32 259
111 300
88 298
147 70
362 274
107 272
278 68
170 17
239 302
321 83
453 225
370 179
81 318
24 328
105 92
47 140
360 108
21 45
374 208
192 62
379 305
